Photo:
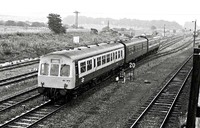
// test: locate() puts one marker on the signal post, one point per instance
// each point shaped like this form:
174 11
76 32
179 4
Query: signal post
131 73
193 108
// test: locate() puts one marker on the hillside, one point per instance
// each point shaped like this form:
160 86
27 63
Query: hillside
134 23
89 22
22 18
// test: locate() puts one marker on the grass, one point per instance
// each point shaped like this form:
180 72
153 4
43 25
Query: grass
26 45
16 29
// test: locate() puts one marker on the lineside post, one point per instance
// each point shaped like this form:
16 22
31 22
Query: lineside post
131 73
194 90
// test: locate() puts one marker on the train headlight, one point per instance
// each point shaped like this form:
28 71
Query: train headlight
42 84
65 86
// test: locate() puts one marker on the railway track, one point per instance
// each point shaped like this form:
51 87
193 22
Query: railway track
178 112
18 78
161 54
172 42
18 99
156 110
18 65
33 116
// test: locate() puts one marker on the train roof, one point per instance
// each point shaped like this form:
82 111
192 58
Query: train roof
135 41
86 51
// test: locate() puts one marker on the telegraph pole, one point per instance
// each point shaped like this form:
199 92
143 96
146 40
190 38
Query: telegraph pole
76 20
164 30
108 25
195 27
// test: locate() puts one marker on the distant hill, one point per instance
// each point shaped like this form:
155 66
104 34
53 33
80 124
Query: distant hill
134 23
98 23
22 18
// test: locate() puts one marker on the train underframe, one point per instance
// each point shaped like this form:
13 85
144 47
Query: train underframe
66 94
54 94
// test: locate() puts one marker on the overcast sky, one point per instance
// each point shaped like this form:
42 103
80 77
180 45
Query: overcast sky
171 10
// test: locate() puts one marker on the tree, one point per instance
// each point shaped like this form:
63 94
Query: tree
1 22
153 27
38 24
21 23
10 23
174 30
55 24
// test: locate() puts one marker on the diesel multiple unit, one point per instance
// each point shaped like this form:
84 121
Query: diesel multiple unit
63 71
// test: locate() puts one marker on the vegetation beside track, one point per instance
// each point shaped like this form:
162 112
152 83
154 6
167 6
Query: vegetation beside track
27 45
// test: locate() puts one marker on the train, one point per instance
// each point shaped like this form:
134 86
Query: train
62 72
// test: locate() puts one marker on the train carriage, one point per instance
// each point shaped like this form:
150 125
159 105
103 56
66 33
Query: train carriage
135 48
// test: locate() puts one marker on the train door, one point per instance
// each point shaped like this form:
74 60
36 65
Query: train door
94 63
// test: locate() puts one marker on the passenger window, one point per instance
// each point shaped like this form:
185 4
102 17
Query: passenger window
115 55
83 67
118 54
108 58
89 65
98 61
111 57
44 69
94 62
65 70
54 70
103 59
121 54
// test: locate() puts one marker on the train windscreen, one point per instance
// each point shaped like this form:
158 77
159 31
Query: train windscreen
54 70
44 69
65 70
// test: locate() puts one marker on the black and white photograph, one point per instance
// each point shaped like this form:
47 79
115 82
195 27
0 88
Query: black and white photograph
99 64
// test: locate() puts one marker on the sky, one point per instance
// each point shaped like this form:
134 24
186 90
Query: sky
170 10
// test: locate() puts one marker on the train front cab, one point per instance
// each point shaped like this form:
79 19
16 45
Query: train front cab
55 75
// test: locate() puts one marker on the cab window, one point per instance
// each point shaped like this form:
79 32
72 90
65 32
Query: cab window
65 70
44 69
54 70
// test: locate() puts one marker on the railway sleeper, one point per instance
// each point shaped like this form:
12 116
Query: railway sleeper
155 113
167 101
162 104
159 109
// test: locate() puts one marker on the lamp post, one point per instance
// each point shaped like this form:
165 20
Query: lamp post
164 30
76 20
195 25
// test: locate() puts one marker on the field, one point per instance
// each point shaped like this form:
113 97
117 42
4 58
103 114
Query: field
17 45
15 29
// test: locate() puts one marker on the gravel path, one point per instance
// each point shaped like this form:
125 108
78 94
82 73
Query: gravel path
111 105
